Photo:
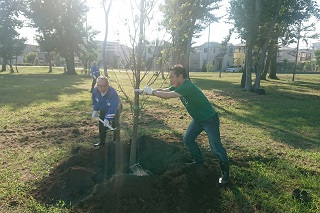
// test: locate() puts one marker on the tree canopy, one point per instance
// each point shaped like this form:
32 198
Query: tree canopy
183 20
61 28
10 43
262 30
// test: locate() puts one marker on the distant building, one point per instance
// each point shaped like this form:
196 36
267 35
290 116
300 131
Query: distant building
239 54
117 55
289 54
152 55
286 53
315 46
212 56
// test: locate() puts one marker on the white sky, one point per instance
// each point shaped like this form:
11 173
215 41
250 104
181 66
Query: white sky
96 19
118 32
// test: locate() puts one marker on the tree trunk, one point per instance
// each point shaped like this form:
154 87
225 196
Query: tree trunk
272 49
296 59
273 65
17 64
4 64
136 107
106 18
49 62
187 63
265 46
175 52
70 64
11 67
267 66
248 76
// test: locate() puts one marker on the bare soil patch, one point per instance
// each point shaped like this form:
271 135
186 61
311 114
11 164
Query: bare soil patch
99 180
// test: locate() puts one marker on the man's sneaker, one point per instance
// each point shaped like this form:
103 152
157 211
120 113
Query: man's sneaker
99 144
224 181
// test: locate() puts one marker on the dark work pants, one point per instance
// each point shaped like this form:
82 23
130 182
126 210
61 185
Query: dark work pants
115 123
94 81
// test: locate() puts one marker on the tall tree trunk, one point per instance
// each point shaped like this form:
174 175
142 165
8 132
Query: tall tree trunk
70 64
106 19
297 52
273 65
11 67
248 76
175 51
4 64
136 108
272 50
265 46
266 68
188 50
17 64
49 62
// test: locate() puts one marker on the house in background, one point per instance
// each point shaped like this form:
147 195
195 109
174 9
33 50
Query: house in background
152 55
286 53
315 46
212 54
29 48
239 54
117 55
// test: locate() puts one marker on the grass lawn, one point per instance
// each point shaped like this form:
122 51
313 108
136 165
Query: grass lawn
273 140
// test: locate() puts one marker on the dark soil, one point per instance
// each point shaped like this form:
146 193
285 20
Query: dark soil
100 180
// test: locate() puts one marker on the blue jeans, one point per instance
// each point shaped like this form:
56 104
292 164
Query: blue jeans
211 127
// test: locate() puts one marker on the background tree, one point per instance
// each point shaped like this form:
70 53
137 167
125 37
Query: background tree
43 18
302 33
245 15
183 20
61 27
260 30
30 57
17 49
88 50
10 43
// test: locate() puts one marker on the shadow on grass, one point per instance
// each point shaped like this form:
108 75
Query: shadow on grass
282 107
23 90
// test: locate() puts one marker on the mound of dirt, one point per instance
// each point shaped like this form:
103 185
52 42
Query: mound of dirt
99 180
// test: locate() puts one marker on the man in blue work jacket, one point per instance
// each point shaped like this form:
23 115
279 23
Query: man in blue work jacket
106 100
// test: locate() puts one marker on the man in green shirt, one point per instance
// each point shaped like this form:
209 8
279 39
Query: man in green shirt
205 118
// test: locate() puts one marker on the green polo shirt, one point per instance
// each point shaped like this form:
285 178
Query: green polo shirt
196 103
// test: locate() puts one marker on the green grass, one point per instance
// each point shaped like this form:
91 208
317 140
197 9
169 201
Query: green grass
273 141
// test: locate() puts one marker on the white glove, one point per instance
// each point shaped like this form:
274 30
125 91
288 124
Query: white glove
106 123
95 114
94 77
147 90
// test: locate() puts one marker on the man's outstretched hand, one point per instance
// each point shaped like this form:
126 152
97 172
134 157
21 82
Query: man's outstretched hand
146 91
